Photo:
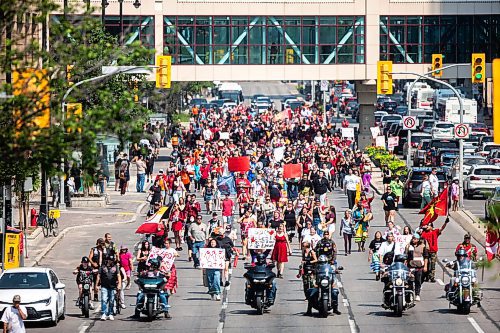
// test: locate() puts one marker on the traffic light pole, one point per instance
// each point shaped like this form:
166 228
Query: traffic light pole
460 101
127 69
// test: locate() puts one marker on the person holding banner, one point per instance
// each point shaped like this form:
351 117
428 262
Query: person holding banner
213 275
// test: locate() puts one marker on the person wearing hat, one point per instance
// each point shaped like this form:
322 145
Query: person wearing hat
470 248
431 235
227 244
13 316
418 257
109 278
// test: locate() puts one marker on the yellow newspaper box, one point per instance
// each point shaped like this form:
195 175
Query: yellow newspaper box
12 250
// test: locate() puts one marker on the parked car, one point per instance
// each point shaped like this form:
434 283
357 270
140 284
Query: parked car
255 97
413 182
422 152
481 179
378 116
469 161
494 157
446 160
389 118
393 129
351 108
443 130
492 207
40 289
220 102
197 101
427 125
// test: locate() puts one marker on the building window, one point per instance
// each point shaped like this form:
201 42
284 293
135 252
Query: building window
134 28
260 40
413 39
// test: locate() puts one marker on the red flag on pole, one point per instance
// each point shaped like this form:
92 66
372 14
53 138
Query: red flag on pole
437 207
292 171
492 242
238 164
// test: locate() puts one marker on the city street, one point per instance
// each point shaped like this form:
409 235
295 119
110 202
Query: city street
193 311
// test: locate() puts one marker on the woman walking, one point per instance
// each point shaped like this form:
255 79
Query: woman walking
142 256
208 192
347 230
373 257
213 275
281 250
177 226
290 220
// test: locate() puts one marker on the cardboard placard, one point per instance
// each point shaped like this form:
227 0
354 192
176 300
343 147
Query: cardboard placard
380 141
292 171
238 164
375 131
401 242
393 141
279 153
212 258
259 238
348 132
167 255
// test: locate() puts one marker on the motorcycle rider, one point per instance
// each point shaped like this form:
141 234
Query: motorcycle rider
469 248
309 259
271 290
418 258
463 260
96 257
153 272
327 247
87 268
312 292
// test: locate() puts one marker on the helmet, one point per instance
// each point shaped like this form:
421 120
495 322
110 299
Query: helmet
154 263
461 253
322 259
261 259
85 260
400 258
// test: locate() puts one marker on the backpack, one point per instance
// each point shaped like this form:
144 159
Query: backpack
389 256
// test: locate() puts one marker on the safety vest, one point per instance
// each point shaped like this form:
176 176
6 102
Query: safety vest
175 141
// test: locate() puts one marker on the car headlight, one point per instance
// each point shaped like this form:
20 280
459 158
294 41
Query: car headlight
399 282
465 280
47 301
324 283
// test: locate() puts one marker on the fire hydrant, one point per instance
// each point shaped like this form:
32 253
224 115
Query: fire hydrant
34 217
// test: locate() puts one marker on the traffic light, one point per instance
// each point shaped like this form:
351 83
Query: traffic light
496 100
163 72
74 111
136 91
69 68
384 77
437 64
478 67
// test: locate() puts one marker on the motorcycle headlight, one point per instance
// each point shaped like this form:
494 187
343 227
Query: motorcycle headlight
259 281
457 280
465 280
399 282
86 286
324 283
150 286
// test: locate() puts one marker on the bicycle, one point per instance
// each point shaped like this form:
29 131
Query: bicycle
50 225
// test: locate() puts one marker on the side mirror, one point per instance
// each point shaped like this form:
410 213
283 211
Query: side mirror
59 285
340 268
445 260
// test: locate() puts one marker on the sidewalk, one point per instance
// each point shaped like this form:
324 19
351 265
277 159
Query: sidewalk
122 209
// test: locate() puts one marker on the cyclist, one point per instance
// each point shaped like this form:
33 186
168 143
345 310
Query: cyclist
86 268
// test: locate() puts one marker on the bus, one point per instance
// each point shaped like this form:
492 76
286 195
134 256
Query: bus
231 91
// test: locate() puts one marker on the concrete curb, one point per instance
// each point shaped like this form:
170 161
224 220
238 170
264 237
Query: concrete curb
56 240
470 223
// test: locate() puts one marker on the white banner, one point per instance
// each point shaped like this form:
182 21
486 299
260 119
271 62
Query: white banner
212 258
380 141
375 131
224 135
348 132
401 242
259 238
167 255
393 141
279 153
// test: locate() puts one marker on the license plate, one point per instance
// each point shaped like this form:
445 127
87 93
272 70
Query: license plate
488 181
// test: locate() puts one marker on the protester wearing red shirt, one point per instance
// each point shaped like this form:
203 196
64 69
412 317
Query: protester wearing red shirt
470 248
242 184
431 235
227 210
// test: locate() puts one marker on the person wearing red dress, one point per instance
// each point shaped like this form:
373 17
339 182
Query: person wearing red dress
177 225
281 250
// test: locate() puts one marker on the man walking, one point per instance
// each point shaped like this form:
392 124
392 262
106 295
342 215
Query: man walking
351 182
198 234
431 235
141 173
13 317
321 187
110 279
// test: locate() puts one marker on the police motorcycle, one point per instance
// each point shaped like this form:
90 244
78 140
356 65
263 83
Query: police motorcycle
463 290
398 291
260 286
324 295
151 299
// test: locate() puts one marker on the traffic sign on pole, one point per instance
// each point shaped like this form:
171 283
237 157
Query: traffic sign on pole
410 122
324 85
462 131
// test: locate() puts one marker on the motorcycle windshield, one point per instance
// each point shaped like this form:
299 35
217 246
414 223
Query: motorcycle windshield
324 269
464 268
151 281
398 270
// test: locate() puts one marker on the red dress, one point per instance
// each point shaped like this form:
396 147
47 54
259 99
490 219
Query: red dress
280 251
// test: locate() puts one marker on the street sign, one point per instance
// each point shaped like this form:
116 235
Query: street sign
410 122
462 131
324 85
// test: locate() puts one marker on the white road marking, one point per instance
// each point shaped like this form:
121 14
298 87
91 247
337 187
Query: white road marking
440 282
352 325
83 329
220 327
475 325
346 302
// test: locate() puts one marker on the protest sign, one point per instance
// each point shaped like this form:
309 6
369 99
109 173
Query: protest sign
212 258
380 141
401 242
224 135
238 164
279 153
292 171
375 131
392 142
259 238
348 132
167 255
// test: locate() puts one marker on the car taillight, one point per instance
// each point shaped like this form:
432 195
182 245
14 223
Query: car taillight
498 179
441 163
496 160
475 178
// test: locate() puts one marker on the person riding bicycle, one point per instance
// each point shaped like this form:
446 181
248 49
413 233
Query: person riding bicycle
87 269
153 272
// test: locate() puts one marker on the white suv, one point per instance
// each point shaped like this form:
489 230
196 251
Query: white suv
442 130
481 179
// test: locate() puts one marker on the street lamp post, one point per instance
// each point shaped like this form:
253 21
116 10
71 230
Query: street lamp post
126 69
121 21
104 4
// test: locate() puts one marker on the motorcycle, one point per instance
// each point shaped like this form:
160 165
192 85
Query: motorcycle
306 271
86 278
324 297
259 284
398 294
151 287
463 291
